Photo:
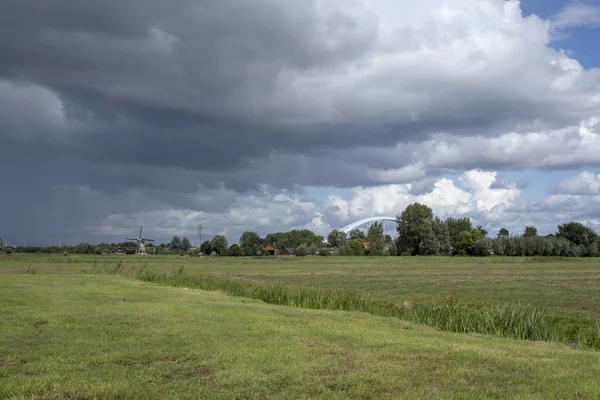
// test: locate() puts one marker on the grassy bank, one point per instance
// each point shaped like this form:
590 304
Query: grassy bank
509 320
89 336
567 291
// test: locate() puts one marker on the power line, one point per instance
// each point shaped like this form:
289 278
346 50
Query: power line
199 235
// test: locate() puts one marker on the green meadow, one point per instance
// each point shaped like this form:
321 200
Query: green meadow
570 286
123 327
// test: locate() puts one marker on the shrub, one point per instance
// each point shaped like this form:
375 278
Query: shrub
533 246
301 250
83 248
354 247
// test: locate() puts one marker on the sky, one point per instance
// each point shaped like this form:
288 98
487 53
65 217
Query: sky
270 115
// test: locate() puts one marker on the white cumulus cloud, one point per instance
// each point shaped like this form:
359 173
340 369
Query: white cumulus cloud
586 183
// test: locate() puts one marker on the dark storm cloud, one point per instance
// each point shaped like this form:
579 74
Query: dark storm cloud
116 106
190 106
201 85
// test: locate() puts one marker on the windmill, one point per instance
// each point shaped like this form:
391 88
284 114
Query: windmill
141 247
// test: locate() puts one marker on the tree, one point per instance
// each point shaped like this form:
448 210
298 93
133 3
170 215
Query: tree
235 250
482 230
205 247
337 238
357 234
577 233
375 233
354 247
175 243
467 240
530 231
185 244
411 227
455 227
429 244
442 234
375 239
301 250
219 245
391 249
83 248
251 243
294 238
483 247
503 233
591 250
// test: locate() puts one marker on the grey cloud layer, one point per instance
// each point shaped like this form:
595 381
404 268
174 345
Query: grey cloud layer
142 105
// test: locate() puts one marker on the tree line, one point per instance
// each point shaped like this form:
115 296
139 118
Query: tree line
303 242
419 234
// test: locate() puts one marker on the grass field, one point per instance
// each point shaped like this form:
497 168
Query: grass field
76 336
70 330
568 286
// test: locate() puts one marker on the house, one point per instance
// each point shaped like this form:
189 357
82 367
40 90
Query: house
288 251
271 250
368 246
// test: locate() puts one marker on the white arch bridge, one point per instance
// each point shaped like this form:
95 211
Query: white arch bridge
388 223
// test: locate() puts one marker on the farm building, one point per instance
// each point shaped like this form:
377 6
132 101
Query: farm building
271 250
288 251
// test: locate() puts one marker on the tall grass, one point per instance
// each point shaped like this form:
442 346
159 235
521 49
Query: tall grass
328 299
509 320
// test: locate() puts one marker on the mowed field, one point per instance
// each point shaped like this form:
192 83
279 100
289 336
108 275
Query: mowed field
72 328
568 286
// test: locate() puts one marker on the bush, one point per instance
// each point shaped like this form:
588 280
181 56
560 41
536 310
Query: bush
533 246
83 248
301 251
354 247
324 253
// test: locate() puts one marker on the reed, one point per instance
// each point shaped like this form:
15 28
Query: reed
508 320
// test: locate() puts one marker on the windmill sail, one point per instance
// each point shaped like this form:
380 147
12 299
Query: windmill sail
141 247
